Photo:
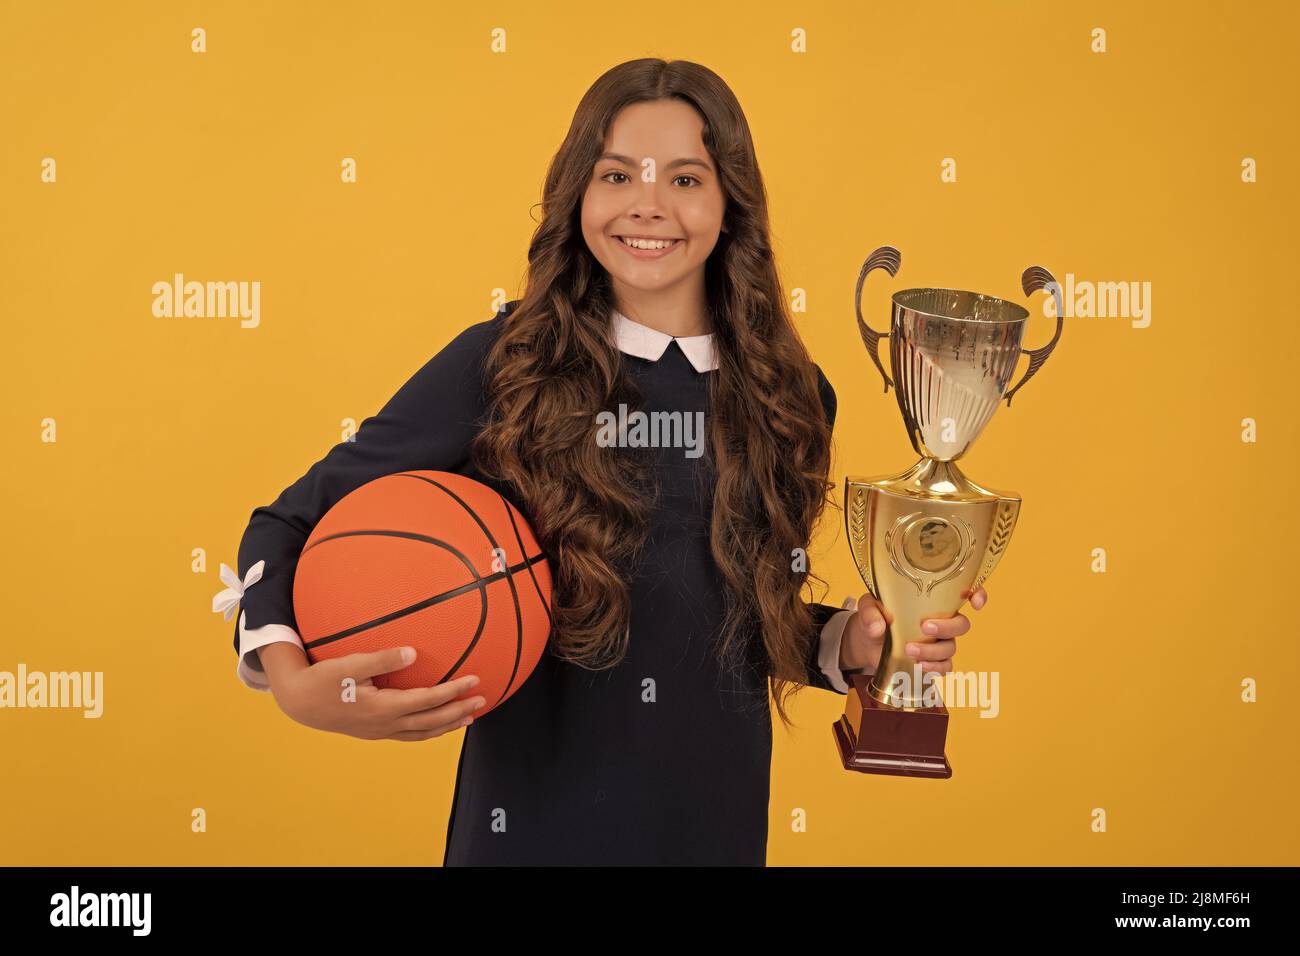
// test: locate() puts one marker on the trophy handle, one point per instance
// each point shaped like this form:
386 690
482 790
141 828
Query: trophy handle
1033 279
889 259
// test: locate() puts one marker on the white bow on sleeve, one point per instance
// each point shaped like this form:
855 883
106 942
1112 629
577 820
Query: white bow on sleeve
226 601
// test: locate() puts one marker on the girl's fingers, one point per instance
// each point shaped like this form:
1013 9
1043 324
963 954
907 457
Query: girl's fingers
399 702
954 626
936 667
373 663
410 736
979 599
933 651
873 616
441 717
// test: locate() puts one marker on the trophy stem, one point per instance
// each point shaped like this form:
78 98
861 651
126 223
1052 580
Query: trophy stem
938 478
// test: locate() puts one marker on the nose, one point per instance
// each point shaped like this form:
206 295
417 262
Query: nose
645 202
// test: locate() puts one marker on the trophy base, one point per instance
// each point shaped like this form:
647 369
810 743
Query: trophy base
878 738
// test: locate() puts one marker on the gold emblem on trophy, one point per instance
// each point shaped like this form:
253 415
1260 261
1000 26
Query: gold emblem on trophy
926 539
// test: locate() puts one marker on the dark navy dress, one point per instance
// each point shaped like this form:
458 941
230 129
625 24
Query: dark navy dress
663 759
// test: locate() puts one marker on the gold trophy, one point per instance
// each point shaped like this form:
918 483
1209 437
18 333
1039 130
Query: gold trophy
928 538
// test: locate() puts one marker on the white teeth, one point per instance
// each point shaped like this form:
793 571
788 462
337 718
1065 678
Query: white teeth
648 243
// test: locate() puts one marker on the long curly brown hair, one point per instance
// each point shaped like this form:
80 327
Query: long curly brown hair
556 364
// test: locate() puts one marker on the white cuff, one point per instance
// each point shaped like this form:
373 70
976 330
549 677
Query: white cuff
828 657
250 664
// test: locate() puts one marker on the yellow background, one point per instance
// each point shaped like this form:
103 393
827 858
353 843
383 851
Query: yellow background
1119 690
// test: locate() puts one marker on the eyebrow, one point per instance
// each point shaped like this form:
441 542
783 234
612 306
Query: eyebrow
629 161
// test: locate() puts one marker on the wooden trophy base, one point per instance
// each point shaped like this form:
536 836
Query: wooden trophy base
877 738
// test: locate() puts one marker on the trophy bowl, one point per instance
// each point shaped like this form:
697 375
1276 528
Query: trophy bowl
952 354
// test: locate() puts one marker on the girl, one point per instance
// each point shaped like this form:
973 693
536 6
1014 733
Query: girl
644 734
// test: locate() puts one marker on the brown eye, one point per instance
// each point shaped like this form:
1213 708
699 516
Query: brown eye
613 172
685 176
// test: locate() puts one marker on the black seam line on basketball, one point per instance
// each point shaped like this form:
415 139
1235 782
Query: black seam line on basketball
519 614
402 611
393 533
550 622
514 592
509 580
479 584
524 550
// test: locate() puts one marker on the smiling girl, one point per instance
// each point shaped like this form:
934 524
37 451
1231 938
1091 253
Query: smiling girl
644 735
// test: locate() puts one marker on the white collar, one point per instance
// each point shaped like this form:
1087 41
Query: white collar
647 343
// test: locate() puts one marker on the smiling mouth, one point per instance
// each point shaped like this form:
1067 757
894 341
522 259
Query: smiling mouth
648 245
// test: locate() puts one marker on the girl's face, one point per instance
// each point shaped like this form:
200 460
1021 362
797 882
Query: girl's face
655 180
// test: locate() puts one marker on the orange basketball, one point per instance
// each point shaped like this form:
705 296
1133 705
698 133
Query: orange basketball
436 561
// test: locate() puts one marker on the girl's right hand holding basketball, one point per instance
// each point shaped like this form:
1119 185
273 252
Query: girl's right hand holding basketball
340 695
